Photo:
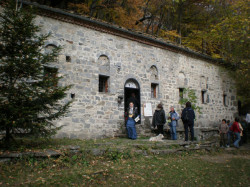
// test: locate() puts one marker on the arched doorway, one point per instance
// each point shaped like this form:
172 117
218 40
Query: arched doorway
132 87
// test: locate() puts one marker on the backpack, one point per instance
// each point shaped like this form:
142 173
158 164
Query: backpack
185 116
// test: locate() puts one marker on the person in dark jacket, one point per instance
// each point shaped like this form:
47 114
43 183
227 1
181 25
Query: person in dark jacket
159 119
133 100
188 117
130 116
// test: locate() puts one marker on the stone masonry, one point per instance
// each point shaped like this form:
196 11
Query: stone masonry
88 53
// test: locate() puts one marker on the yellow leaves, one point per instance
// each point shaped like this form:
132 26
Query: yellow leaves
169 35
216 55
80 8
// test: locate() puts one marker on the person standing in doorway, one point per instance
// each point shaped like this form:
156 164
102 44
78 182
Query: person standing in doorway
159 119
188 117
173 117
130 116
133 100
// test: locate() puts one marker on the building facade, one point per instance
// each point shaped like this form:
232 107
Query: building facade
105 64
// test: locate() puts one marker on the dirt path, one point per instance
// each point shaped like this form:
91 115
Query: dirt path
222 158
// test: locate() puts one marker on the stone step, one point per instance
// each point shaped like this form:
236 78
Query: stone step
45 154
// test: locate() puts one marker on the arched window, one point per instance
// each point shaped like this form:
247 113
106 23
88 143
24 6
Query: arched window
153 73
131 83
203 83
49 48
104 64
104 69
50 71
182 81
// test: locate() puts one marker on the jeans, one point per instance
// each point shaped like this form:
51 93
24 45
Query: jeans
173 132
189 126
236 143
229 137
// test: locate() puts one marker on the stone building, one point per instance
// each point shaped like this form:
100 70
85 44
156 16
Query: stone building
105 64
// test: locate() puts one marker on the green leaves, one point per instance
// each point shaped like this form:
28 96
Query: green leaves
189 95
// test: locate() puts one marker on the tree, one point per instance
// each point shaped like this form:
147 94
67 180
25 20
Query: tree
189 95
230 36
219 28
29 91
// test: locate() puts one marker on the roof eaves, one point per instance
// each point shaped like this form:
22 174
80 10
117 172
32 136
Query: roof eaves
131 33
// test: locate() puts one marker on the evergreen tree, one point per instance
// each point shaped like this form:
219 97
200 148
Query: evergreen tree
30 97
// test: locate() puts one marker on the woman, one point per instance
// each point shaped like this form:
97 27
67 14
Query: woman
130 115
159 119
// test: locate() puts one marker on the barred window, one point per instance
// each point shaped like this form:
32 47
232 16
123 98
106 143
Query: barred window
154 90
181 93
103 83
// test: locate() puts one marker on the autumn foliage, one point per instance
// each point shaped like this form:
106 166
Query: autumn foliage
219 28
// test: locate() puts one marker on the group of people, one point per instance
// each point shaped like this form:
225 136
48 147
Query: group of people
230 131
159 120
187 116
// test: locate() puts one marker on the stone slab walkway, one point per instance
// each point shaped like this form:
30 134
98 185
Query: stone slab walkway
139 146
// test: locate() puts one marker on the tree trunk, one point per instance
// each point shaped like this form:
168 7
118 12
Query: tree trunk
180 6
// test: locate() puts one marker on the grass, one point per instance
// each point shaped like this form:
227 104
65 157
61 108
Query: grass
124 168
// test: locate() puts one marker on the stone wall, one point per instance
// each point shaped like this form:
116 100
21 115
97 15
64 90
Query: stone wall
88 53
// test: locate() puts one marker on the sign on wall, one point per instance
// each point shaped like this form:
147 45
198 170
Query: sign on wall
147 109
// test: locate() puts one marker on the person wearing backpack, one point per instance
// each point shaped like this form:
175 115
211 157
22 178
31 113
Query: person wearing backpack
188 117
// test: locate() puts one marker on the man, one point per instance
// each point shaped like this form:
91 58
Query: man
173 117
188 117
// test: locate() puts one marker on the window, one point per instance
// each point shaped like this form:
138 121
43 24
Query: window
49 49
103 83
68 59
182 80
154 88
225 99
203 83
181 92
50 73
154 73
104 64
203 96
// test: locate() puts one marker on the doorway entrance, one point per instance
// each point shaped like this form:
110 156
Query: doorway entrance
131 89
